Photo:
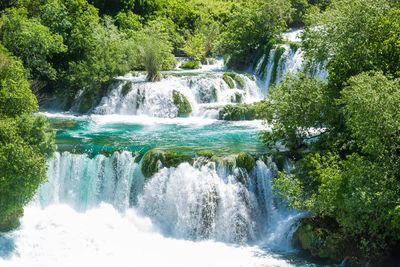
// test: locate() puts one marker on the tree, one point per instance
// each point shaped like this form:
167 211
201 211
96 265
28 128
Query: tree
155 50
252 24
25 142
354 36
195 48
31 41
297 108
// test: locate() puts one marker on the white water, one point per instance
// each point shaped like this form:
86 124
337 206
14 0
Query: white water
203 201
291 61
86 215
60 236
206 92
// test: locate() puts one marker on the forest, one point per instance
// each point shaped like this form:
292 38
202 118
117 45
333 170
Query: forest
342 133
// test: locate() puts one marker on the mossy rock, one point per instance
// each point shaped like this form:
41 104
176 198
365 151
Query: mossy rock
319 241
205 153
155 159
238 112
238 98
277 57
229 81
126 88
86 102
235 77
245 161
181 102
173 159
10 220
193 64
250 76
152 161
63 124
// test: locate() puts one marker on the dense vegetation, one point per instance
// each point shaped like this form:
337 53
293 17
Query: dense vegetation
25 142
344 134
73 48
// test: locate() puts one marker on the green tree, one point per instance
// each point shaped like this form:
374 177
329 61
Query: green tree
31 41
195 47
354 36
155 50
252 24
25 142
297 108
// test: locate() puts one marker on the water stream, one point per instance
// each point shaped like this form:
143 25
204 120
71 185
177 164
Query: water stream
98 209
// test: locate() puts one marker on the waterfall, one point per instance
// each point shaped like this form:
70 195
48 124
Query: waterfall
201 201
84 182
204 91
286 58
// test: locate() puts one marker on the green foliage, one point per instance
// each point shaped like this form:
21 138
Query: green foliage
228 80
297 107
34 43
251 24
353 175
155 50
354 36
371 110
234 77
245 161
155 159
191 65
182 104
25 142
15 95
238 112
195 48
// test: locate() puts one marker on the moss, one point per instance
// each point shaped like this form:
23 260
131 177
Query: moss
229 81
264 50
155 159
10 221
86 102
191 65
245 161
238 112
238 98
126 88
250 76
173 159
320 240
183 105
152 161
205 153
236 77
277 57
62 124
294 46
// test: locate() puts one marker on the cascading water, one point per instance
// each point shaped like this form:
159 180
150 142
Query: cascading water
134 96
200 201
98 209
285 58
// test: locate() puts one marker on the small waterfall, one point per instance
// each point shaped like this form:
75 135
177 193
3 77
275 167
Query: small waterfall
84 182
195 202
285 58
204 91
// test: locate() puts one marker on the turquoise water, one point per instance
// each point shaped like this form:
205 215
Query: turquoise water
106 134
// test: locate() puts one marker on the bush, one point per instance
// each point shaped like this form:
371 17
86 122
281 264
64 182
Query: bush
25 143
193 64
